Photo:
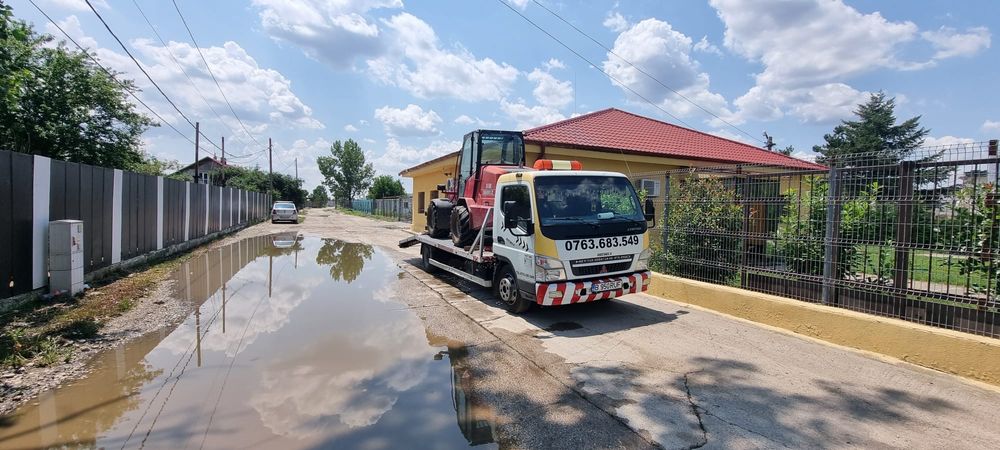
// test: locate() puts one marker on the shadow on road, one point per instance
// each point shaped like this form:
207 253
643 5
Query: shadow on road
578 320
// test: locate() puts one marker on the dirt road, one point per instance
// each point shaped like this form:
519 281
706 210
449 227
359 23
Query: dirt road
338 339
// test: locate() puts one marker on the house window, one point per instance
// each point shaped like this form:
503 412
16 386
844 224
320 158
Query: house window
652 187
434 195
420 202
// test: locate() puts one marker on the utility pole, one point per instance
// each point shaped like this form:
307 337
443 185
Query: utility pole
270 168
296 169
224 160
770 142
197 134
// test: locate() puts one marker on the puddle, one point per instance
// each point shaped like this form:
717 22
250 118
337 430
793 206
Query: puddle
293 343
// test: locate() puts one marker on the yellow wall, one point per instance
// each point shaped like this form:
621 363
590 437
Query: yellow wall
966 355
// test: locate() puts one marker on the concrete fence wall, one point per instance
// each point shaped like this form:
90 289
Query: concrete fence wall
125 215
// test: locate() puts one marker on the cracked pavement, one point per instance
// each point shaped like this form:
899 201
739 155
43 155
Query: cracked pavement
645 372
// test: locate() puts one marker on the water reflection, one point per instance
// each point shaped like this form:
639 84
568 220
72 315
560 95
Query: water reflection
280 351
345 259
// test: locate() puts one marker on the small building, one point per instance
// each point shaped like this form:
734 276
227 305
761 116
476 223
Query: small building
611 140
208 168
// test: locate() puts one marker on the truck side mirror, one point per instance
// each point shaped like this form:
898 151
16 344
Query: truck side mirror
650 212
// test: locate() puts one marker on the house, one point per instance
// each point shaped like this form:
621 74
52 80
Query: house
208 168
612 140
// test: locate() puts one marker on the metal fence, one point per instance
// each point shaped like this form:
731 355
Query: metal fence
396 208
124 214
910 235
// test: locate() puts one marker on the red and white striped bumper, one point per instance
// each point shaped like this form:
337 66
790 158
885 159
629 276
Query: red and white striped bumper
565 292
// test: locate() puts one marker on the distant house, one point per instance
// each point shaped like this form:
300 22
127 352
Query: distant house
208 168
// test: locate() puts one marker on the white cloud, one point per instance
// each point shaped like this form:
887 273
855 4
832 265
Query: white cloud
550 91
553 63
466 120
530 116
369 140
614 21
707 47
665 54
991 125
519 3
77 5
417 64
333 31
350 128
409 121
809 49
949 42
398 156
946 141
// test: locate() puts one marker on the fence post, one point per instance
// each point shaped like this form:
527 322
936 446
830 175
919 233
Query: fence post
830 253
904 234
742 198
666 211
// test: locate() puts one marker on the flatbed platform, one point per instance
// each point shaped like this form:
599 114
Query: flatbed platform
473 253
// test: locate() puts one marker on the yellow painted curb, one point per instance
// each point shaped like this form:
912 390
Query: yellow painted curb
966 355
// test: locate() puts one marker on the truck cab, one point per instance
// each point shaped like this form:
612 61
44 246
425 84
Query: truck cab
568 236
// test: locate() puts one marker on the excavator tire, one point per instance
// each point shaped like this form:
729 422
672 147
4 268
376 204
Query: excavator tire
462 233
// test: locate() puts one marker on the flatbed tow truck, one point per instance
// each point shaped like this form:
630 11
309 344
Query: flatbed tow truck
549 235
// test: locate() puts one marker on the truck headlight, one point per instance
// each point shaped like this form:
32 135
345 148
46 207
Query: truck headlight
549 269
643 262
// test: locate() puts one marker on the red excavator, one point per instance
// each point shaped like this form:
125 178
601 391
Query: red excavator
469 194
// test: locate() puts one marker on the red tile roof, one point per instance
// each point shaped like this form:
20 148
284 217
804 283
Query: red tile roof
613 129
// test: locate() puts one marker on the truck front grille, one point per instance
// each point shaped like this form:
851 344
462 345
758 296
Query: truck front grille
597 269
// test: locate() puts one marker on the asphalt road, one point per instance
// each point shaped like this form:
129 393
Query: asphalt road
647 372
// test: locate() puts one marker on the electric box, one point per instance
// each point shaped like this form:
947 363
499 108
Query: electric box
66 256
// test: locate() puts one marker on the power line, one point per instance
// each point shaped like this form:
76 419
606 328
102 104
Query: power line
108 72
143 70
210 72
578 30
188 76
584 58
179 65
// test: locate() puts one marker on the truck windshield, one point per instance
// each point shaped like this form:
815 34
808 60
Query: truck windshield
501 148
589 199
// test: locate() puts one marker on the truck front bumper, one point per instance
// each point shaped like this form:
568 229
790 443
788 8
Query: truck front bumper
579 291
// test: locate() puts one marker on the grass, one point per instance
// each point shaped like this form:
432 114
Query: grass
38 332
924 267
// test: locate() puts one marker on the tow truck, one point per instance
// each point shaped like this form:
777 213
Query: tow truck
552 234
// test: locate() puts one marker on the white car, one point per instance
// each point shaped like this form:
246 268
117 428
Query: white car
284 211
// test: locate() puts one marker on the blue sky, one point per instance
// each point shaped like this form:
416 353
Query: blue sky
406 79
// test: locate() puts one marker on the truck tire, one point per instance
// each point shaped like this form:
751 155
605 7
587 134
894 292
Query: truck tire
505 288
462 233
438 218
426 253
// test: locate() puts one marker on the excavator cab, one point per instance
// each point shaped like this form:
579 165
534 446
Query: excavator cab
462 211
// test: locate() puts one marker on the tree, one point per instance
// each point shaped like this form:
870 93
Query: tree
386 186
787 151
345 171
319 197
703 231
286 187
151 165
875 140
58 103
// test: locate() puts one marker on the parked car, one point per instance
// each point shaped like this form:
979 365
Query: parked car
284 211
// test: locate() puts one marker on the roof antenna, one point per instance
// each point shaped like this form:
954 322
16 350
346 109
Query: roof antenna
770 142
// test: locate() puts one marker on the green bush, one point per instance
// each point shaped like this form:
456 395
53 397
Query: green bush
703 227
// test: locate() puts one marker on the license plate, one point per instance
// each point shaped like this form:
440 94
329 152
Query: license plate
606 286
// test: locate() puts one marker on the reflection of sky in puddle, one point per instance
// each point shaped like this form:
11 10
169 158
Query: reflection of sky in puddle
329 358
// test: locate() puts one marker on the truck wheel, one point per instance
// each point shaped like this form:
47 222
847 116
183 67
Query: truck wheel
437 227
462 233
426 252
505 288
